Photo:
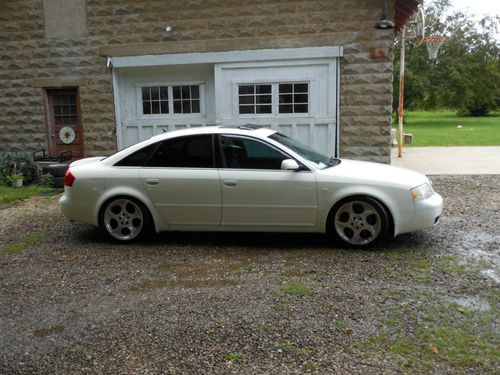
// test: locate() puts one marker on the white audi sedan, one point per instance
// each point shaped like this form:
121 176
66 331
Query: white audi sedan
244 178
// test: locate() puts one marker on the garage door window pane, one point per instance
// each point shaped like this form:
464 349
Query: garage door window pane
255 99
154 100
293 98
184 98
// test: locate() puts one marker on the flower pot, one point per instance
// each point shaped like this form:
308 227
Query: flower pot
17 183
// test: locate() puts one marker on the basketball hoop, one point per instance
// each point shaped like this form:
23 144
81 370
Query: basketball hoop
415 29
433 45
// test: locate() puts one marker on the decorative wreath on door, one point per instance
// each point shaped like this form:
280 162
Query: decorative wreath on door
67 135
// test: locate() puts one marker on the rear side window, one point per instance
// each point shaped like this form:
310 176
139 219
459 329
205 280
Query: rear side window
186 152
138 158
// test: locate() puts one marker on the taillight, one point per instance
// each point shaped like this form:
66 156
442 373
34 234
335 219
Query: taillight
69 178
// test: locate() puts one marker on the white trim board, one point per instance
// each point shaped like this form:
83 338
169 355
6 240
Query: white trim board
227 57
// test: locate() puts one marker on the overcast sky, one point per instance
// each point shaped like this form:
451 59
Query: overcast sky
478 7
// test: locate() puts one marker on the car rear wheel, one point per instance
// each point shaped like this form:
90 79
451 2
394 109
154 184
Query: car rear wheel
124 219
360 221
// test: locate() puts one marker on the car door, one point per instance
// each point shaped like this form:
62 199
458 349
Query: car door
257 194
183 183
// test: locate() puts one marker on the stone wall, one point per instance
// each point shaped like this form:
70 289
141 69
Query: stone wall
29 61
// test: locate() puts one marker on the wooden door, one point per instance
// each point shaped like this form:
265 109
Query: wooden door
65 129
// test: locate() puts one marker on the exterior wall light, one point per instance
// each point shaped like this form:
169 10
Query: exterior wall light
169 30
384 23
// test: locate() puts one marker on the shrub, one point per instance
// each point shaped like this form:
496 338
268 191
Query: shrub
16 162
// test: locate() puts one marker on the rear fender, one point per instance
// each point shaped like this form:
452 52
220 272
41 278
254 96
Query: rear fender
133 193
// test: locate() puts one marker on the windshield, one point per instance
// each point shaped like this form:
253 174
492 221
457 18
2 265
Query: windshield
306 152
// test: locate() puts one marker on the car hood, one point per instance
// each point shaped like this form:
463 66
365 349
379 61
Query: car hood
365 172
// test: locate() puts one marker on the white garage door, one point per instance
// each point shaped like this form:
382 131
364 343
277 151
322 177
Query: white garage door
294 91
297 98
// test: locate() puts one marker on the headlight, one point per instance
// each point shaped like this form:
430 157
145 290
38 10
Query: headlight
423 191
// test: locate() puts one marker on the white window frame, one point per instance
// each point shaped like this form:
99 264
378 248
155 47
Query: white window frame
169 85
274 97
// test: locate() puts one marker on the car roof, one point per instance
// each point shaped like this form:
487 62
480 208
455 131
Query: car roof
248 129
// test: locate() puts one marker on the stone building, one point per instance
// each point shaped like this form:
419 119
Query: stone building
95 76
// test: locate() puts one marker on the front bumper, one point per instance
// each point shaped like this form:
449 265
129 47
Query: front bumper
426 214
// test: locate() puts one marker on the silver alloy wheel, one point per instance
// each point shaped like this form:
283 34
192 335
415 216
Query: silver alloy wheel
358 222
123 219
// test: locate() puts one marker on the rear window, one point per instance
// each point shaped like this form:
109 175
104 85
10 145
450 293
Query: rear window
138 158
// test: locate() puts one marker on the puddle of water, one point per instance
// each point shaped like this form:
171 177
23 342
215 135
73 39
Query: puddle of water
472 303
160 284
483 247
43 332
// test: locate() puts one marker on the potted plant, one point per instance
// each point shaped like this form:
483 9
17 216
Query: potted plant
16 179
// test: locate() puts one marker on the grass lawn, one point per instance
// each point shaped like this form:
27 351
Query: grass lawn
9 195
440 129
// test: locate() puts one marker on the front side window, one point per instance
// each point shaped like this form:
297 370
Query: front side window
245 153
185 152
320 160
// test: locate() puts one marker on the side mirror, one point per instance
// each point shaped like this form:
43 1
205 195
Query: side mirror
290 165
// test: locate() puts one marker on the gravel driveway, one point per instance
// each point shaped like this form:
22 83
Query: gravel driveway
192 303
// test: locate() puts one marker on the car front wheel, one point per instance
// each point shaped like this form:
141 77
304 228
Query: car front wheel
124 219
360 221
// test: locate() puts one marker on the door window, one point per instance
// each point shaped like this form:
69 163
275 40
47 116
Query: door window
185 152
246 153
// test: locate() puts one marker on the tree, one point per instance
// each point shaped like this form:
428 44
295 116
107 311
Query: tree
466 76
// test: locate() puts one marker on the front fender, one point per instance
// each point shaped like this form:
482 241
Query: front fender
397 201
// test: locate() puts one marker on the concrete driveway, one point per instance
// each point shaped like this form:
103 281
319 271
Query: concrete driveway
449 160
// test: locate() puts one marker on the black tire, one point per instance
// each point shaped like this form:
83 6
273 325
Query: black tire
358 221
125 219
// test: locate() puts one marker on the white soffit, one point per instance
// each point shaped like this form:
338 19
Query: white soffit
227 57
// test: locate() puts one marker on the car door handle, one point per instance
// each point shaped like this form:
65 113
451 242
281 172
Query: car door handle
152 181
230 182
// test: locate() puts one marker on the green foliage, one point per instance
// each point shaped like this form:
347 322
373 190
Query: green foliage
466 75
16 162
47 180
233 357
295 288
15 176
13 248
